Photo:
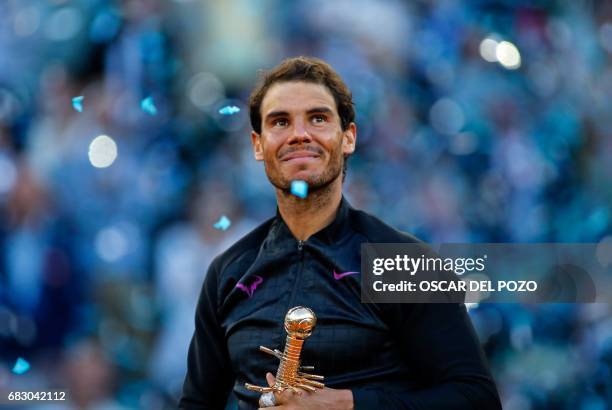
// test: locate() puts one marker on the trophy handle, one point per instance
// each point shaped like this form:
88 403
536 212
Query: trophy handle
259 389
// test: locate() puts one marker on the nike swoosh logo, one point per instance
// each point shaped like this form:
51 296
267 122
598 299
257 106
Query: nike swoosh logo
250 289
343 274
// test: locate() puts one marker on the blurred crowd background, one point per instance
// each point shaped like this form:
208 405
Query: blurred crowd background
479 121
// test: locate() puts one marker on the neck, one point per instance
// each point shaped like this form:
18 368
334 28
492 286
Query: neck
307 216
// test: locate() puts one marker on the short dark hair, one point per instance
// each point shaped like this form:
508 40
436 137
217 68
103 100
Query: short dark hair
307 69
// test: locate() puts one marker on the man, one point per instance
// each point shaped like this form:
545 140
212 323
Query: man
373 356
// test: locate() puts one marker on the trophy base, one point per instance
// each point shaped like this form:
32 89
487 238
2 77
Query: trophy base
267 400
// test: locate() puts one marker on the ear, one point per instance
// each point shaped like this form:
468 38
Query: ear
257 147
349 139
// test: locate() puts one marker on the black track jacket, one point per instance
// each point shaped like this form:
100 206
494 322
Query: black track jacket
392 356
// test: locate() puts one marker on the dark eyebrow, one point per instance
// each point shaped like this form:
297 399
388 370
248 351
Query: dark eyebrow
315 110
320 110
275 114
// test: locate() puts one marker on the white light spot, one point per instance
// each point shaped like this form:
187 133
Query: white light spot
508 55
488 48
102 151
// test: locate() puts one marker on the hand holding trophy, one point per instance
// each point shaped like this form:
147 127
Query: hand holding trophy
299 322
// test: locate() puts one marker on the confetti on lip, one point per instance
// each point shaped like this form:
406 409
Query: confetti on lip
77 103
148 106
21 366
223 223
229 110
299 188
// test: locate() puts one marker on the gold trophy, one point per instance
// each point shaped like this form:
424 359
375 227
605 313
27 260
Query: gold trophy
299 322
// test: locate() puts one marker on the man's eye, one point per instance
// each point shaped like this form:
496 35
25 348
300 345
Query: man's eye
319 119
280 122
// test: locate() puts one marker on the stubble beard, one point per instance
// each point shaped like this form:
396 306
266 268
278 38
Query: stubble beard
316 183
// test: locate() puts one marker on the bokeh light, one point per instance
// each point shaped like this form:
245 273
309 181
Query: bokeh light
488 49
102 151
111 244
204 90
27 21
446 116
508 55
63 24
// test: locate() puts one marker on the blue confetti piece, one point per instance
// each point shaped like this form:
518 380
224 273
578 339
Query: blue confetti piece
223 223
229 110
77 103
21 366
148 106
299 188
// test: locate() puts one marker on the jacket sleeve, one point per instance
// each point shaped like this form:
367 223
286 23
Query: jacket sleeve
209 376
439 342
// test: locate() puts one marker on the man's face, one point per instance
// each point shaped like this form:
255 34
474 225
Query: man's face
301 136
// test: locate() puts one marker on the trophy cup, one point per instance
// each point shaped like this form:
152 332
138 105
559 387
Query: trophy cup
299 322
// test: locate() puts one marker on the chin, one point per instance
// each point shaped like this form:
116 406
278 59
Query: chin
304 176
303 173
307 176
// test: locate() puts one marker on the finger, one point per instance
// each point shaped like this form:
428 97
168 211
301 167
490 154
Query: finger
283 397
288 396
291 395
270 379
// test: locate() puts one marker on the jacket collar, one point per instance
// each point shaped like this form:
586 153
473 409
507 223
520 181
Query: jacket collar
328 235
280 243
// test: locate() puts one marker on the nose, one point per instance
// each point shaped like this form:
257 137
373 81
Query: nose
299 133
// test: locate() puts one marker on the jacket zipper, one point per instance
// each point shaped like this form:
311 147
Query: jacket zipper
300 248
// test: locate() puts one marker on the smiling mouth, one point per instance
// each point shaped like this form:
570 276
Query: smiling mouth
296 155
